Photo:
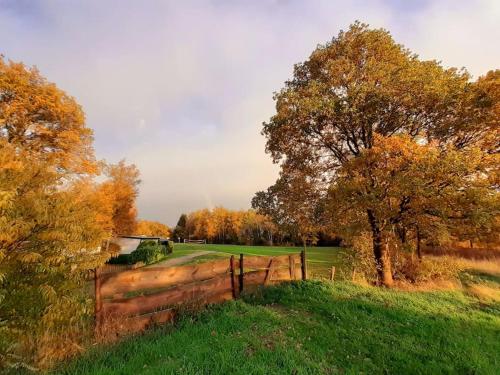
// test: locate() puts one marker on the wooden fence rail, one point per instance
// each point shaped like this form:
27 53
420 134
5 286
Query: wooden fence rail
138 298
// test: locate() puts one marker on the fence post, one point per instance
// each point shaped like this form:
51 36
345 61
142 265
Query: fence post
303 264
98 300
269 272
333 273
231 265
241 273
291 264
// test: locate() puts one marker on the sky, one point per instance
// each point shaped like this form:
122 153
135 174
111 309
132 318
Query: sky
181 88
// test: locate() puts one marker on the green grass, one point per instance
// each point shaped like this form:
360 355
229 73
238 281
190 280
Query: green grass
320 259
316 328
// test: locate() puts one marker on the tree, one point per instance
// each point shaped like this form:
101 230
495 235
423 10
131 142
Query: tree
361 84
408 186
292 203
180 229
122 188
42 120
51 219
152 228
256 229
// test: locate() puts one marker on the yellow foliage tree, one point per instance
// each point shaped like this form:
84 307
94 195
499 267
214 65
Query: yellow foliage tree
42 120
51 221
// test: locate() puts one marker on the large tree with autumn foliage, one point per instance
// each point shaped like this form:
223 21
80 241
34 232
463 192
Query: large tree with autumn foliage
52 217
363 86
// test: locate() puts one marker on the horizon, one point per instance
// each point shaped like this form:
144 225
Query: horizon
181 90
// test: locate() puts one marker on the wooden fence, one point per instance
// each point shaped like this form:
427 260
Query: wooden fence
132 300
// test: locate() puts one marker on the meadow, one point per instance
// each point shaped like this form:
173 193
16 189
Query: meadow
319 259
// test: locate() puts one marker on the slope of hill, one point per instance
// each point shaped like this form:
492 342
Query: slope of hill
316 327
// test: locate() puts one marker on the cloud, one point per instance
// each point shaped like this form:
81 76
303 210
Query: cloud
181 88
458 33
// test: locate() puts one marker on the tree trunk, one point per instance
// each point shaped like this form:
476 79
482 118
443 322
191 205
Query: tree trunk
419 240
380 252
401 231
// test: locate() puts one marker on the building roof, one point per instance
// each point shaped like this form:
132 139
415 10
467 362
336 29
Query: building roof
142 237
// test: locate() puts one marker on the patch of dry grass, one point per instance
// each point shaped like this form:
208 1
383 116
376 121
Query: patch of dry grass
452 280
428 286
484 293
464 252
491 266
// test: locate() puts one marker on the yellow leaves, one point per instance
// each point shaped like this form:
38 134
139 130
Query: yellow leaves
37 116
53 217
6 198
122 189
403 181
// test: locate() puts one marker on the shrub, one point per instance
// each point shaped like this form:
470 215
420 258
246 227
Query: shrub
360 257
169 247
121 259
148 252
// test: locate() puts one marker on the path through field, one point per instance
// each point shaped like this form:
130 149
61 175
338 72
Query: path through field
182 259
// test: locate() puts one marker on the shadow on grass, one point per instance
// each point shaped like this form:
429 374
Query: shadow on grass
315 327
479 276
476 281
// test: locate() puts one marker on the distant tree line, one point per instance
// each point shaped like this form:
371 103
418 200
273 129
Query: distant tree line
152 228
223 226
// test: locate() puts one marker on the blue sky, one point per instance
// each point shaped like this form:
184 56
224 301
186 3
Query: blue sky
181 88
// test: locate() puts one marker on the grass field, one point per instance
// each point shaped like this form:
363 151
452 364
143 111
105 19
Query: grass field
317 327
319 259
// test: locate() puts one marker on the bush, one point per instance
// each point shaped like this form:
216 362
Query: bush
147 252
360 257
169 247
121 259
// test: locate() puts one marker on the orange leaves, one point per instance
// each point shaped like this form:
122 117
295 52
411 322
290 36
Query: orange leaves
119 193
152 228
228 226
36 115
403 181
53 216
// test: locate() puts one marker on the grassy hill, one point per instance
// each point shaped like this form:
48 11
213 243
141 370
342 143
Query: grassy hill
316 328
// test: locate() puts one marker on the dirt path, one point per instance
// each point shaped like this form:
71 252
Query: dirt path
183 259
